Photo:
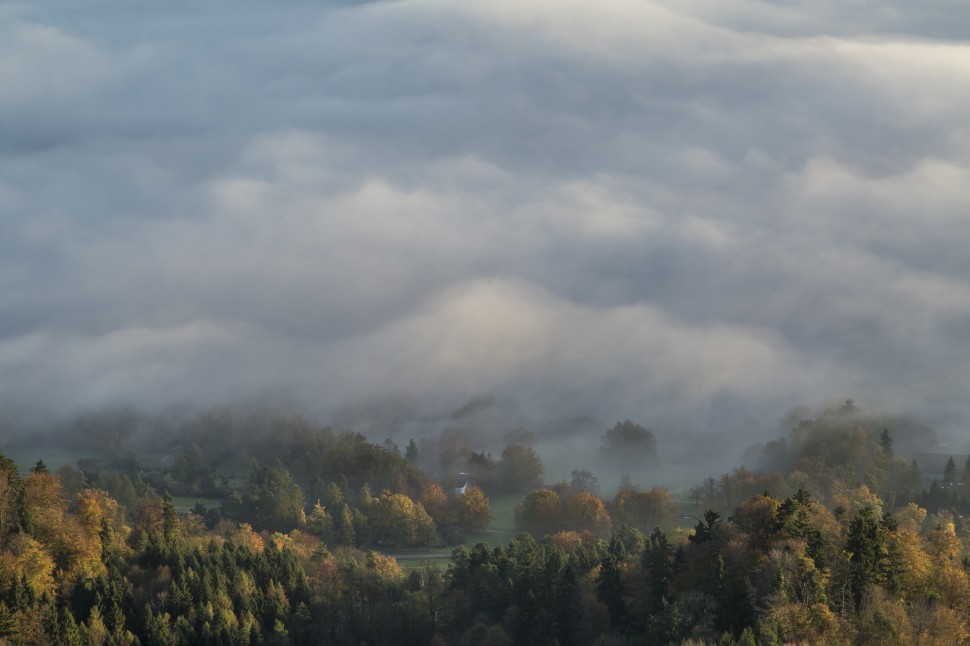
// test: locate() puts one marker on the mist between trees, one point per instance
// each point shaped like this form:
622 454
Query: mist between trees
268 528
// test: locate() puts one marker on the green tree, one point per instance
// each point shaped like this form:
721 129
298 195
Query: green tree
399 521
346 534
645 510
14 511
158 629
866 547
568 606
539 513
320 523
69 632
629 443
609 585
272 499
705 529
583 480
520 468
886 442
170 519
658 568
950 473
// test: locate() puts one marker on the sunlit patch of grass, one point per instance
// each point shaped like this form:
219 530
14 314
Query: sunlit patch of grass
501 529
503 513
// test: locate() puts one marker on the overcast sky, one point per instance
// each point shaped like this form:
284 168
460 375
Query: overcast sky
690 213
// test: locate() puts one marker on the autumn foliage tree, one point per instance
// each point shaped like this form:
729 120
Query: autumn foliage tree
435 501
398 520
471 511
645 510
584 512
539 512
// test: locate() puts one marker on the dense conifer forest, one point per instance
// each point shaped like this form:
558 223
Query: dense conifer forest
838 539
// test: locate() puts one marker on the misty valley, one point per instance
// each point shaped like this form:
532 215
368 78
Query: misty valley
234 527
485 322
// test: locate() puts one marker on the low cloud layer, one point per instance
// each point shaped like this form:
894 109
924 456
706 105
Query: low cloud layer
690 214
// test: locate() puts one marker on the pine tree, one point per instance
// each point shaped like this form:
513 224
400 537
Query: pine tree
747 638
70 633
865 544
667 625
886 442
346 534
704 530
609 585
950 473
568 606
170 519
320 523
279 636
658 564
158 630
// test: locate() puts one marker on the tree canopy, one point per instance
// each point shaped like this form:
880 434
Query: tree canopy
629 443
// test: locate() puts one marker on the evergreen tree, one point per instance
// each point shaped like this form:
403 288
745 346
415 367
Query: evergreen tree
865 544
301 627
70 633
273 499
170 520
950 473
158 631
609 585
704 530
667 624
568 606
411 452
886 442
658 565
346 534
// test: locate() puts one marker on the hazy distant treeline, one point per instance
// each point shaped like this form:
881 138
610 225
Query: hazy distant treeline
837 539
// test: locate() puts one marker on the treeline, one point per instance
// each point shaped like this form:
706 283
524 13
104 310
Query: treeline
777 570
563 508
339 487
951 491
831 542
845 445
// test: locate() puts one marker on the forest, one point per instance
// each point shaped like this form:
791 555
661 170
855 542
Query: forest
270 529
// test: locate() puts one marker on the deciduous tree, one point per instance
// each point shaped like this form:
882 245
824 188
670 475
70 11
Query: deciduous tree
471 511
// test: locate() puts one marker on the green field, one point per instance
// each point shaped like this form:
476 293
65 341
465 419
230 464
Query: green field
421 559
502 527
500 530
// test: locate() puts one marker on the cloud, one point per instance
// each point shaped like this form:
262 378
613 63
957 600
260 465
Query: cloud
671 211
